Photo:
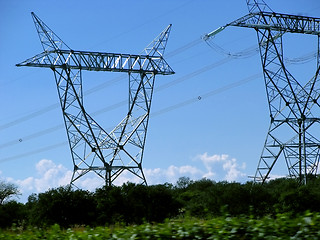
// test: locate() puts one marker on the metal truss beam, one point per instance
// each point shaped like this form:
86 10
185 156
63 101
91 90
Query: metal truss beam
97 61
279 22
294 108
108 154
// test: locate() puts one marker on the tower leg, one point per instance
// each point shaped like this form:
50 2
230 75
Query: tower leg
270 154
293 111
131 132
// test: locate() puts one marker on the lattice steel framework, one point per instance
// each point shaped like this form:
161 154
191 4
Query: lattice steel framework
294 108
107 154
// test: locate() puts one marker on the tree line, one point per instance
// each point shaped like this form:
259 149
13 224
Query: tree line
135 204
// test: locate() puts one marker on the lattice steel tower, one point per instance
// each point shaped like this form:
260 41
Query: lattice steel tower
107 154
294 109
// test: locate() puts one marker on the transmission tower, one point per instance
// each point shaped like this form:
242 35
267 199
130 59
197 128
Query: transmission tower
294 108
107 154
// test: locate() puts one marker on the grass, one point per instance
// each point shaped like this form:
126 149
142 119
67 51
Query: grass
282 226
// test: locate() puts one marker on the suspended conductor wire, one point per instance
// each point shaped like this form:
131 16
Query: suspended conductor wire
122 103
90 91
162 111
193 74
304 59
108 108
108 83
131 29
206 95
251 51
209 39
184 48
248 52
157 113
29 116
20 77
32 136
33 152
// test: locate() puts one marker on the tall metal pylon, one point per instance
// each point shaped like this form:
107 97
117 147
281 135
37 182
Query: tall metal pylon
93 149
294 108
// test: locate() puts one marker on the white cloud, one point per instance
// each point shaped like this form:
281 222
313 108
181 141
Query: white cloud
221 167
206 159
159 175
52 175
90 182
171 174
48 175
209 175
233 170
26 184
44 165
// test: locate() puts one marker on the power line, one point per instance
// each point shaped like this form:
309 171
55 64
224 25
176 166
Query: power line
248 52
117 79
32 136
56 105
184 47
90 91
251 51
105 109
119 104
20 77
193 74
160 88
33 152
29 116
125 33
207 95
157 113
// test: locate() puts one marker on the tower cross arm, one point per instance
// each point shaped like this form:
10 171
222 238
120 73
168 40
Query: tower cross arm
98 61
279 22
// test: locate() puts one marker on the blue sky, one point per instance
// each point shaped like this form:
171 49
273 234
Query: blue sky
210 119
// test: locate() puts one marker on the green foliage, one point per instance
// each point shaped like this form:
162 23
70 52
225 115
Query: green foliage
282 226
262 200
289 196
109 204
208 198
12 213
62 206
137 204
